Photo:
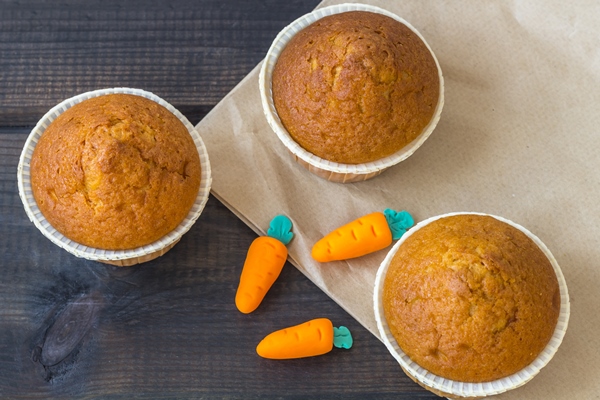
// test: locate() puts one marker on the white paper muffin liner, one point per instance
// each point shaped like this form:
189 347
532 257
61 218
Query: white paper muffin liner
452 388
330 170
115 257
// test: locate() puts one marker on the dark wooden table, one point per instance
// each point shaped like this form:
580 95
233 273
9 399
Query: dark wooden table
168 328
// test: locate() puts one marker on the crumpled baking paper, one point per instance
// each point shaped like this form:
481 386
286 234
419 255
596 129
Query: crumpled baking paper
518 138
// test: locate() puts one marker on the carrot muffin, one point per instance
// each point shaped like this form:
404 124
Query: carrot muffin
115 172
355 87
470 298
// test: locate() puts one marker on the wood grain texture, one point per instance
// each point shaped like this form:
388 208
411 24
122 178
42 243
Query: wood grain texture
71 328
190 53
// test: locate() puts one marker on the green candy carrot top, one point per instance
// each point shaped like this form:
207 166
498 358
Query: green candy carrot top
342 338
280 228
264 262
362 236
398 222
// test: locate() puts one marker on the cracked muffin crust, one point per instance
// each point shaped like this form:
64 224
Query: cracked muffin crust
471 298
355 87
115 172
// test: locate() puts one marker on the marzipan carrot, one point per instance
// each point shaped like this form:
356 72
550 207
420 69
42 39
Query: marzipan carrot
264 261
362 236
311 338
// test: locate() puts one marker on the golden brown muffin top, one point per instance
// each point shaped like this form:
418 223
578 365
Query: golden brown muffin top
355 87
115 172
471 298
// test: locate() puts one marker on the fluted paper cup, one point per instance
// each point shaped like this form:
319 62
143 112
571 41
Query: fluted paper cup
115 257
455 389
333 171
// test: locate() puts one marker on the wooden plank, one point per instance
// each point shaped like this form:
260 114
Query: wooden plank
190 53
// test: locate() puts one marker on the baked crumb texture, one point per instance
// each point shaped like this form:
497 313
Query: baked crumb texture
355 87
115 172
471 299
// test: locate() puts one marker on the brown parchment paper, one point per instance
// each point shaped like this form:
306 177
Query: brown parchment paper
518 138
